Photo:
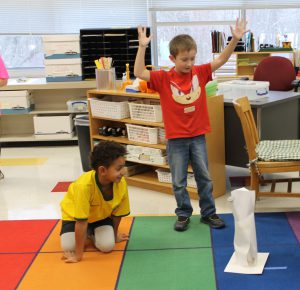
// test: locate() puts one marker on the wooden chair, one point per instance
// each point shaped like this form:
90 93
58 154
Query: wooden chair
258 167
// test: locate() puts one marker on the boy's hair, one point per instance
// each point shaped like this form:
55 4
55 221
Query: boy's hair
182 42
105 153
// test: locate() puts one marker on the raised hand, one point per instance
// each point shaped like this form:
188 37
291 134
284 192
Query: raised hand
240 28
143 39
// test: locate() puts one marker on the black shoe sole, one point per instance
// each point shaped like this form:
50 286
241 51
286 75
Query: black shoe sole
180 230
183 228
212 226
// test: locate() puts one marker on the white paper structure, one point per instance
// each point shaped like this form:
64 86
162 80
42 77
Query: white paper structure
245 258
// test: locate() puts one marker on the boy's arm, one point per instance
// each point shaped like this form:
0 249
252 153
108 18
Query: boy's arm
140 70
116 223
80 236
237 33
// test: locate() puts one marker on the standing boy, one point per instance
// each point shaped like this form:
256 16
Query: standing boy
183 101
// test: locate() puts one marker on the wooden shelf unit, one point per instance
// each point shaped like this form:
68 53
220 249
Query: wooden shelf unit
243 64
215 143
49 99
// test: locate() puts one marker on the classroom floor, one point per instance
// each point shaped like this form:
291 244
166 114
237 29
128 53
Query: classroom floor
32 172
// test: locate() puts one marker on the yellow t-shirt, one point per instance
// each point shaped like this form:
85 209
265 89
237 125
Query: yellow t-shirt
84 200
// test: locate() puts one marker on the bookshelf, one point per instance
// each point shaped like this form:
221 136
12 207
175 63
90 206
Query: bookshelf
149 179
243 64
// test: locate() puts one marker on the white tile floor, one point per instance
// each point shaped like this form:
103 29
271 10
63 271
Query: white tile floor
25 192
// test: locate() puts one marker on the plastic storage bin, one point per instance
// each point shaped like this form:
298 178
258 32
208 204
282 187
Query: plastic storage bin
162 136
165 176
109 109
77 105
84 143
239 88
145 112
142 134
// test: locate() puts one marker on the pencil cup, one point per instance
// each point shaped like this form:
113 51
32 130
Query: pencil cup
106 79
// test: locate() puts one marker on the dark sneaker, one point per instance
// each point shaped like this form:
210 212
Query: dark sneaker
213 221
181 224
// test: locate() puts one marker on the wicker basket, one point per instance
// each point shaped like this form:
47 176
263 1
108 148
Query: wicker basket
142 134
109 109
191 182
162 136
145 112
133 149
147 159
164 175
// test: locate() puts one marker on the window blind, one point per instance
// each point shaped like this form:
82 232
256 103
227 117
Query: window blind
69 16
219 4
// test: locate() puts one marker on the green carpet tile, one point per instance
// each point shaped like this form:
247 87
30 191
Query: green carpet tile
158 233
159 258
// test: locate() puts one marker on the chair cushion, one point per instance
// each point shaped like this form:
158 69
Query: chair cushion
278 71
279 150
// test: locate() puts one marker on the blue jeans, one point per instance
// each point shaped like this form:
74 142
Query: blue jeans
180 151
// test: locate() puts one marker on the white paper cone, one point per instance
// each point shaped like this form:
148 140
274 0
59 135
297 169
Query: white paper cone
245 258
245 245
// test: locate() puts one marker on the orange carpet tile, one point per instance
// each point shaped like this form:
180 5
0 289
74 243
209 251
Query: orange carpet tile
48 271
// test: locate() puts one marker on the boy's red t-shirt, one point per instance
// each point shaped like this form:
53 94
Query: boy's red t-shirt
183 100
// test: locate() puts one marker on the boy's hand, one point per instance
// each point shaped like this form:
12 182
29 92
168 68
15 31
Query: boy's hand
70 257
240 29
121 238
143 39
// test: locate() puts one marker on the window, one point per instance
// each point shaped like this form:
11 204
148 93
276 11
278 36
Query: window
268 25
21 43
197 23
22 51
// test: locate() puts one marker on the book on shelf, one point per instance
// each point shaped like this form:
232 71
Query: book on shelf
217 41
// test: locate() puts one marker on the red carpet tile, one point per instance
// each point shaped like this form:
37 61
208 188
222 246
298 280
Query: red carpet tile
294 221
61 186
24 236
12 269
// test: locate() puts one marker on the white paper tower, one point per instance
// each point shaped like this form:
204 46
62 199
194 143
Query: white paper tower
245 258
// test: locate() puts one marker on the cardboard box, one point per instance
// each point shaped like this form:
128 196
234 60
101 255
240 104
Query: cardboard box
61 46
63 70
16 102
53 126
